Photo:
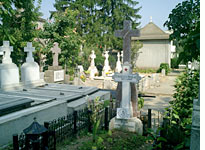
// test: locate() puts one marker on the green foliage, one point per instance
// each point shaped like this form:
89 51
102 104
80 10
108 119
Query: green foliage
99 19
177 132
144 70
164 66
136 45
118 140
174 63
18 25
63 30
140 102
184 21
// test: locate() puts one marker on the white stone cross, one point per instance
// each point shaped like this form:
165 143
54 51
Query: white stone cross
125 111
92 56
122 56
118 64
6 51
55 50
106 55
29 49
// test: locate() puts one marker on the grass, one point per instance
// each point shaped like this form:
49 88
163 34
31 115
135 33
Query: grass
117 140
144 70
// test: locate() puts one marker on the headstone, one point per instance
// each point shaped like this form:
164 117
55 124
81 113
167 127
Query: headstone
55 50
122 57
163 72
106 67
93 70
126 34
124 118
9 72
55 73
30 74
118 64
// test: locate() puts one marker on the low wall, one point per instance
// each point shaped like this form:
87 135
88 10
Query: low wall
18 121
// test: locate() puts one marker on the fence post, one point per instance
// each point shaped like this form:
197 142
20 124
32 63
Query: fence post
149 118
89 121
75 121
106 119
45 136
15 142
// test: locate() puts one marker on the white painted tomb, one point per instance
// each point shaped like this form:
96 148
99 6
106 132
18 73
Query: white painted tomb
118 64
93 70
9 72
30 74
106 67
124 118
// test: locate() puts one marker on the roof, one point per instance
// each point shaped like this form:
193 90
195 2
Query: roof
151 32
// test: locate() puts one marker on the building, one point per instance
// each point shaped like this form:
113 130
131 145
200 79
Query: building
157 47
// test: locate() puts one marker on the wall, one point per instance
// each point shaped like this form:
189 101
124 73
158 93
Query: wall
153 53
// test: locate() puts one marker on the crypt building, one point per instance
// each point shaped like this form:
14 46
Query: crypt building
157 48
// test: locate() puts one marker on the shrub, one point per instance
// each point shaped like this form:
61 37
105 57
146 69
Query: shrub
164 66
179 114
174 63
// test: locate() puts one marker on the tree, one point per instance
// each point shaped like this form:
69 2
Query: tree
98 19
63 30
18 25
184 20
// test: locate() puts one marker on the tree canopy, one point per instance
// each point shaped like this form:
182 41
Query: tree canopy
184 21
98 19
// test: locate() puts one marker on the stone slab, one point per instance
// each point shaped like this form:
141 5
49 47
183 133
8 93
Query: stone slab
132 125
55 67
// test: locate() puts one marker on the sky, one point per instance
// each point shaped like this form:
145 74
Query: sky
158 9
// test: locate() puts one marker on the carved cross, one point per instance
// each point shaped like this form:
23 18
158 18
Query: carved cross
126 34
6 51
55 50
29 49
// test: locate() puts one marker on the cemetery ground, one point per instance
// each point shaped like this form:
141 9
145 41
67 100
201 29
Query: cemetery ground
162 93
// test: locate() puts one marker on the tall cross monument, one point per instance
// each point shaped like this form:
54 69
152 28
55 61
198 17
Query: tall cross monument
126 34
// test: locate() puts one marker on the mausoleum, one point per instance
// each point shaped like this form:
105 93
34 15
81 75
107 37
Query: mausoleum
157 47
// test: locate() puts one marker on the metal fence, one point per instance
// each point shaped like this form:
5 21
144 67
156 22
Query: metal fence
64 128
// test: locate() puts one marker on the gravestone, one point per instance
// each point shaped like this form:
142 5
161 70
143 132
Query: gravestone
55 73
126 34
106 67
124 118
121 56
118 64
9 72
30 74
93 70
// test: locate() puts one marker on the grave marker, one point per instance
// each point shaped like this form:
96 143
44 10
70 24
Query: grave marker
118 64
29 49
126 78
55 50
6 51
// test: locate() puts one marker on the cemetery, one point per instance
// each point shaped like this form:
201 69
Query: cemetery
87 80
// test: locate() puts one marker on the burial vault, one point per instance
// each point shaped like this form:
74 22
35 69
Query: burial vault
157 47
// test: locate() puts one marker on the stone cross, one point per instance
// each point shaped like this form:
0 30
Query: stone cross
106 63
126 77
6 51
118 64
122 56
92 56
29 49
126 34
55 50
